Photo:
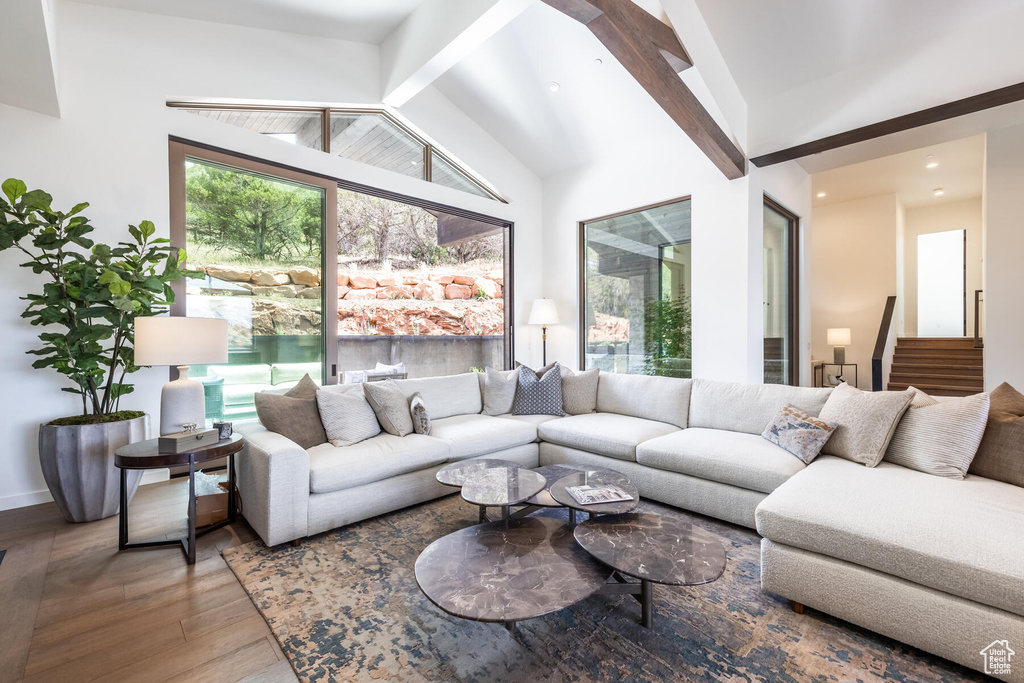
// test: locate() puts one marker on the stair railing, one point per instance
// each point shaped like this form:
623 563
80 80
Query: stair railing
878 356
979 299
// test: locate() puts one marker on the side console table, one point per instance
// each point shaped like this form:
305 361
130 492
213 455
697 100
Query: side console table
145 455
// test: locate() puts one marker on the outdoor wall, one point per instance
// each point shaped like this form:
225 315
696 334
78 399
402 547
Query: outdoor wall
117 70
960 215
1004 248
853 270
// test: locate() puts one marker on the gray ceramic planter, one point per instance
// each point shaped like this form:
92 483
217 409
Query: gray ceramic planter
78 465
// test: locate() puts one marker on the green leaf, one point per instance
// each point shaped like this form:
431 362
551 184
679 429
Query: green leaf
147 228
37 200
14 188
78 208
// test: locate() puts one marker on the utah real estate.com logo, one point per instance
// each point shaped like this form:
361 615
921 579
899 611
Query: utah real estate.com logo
998 658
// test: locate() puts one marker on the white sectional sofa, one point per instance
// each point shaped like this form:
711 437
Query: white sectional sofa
932 562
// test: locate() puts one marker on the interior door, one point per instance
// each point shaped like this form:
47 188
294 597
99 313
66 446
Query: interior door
941 284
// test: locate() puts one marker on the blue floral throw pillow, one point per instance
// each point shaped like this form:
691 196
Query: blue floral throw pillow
799 433
539 395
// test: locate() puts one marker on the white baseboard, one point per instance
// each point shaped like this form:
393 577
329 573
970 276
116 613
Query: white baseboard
21 500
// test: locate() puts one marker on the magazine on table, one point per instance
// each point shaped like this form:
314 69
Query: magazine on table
592 495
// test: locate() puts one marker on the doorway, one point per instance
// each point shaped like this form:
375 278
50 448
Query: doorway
942 284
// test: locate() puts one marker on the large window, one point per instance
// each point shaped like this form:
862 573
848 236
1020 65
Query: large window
412 286
635 289
780 307
369 136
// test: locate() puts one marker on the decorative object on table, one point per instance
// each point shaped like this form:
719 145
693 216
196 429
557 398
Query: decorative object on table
539 395
838 338
827 375
146 455
90 301
798 433
181 341
418 411
224 429
543 313
211 500
188 439
594 495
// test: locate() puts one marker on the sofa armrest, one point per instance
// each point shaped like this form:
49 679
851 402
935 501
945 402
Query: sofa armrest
273 480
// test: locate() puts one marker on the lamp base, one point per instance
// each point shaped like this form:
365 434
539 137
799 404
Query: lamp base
182 402
839 355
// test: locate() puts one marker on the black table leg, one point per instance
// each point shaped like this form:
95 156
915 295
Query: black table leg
232 503
647 603
122 524
191 551
572 516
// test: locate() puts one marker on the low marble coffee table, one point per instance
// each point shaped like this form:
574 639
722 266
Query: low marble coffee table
653 549
492 483
497 573
597 476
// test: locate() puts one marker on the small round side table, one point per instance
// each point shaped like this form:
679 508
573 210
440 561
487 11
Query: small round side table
145 455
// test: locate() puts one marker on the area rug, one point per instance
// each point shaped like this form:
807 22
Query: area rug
345 607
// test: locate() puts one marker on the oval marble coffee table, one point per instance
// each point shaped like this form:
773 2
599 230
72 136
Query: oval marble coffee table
494 573
654 549
594 477
492 483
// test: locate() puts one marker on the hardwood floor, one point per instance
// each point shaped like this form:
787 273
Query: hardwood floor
72 608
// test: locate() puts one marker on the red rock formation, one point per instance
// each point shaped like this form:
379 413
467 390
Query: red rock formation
458 292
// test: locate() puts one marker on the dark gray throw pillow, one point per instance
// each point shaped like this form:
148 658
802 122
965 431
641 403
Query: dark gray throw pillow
293 415
539 395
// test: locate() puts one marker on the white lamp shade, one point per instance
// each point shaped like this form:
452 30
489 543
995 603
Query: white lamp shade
543 313
838 336
177 340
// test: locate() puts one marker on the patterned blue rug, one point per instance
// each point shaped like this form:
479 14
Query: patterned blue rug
345 607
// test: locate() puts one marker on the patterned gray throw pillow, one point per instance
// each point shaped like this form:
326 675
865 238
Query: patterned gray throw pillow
798 433
539 395
390 405
347 417
418 411
579 391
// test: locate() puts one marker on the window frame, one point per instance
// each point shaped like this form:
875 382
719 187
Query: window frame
429 149
793 272
581 268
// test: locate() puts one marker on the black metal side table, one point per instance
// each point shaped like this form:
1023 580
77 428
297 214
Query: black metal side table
820 374
145 455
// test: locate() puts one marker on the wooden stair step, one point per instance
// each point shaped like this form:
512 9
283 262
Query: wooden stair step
956 353
935 342
937 360
948 369
935 379
934 390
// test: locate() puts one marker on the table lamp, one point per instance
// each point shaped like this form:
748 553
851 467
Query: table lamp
838 339
543 313
182 342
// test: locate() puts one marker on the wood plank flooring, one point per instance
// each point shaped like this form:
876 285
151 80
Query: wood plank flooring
75 609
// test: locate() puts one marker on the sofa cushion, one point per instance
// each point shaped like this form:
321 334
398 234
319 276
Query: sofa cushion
866 422
579 391
798 433
939 437
748 408
294 414
963 537
347 417
390 406
661 399
538 395
384 456
616 436
471 435
1001 454
735 458
446 396
499 390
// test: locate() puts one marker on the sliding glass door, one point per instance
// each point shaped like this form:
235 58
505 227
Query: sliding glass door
780 307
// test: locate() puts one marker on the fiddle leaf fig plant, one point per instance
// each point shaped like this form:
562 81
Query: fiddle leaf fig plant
92 294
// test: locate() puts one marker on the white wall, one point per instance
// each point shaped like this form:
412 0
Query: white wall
853 270
961 215
117 70
1003 252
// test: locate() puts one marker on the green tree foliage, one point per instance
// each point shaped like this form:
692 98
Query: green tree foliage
93 293
667 336
252 216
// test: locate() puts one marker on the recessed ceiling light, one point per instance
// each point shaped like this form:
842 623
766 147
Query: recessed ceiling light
598 62
938 192
821 194
414 163
554 87
932 164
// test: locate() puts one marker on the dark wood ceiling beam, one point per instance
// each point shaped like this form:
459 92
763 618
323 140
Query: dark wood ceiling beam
942 112
650 51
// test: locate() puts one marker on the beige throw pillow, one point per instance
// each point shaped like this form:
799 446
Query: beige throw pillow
390 405
579 391
294 414
499 390
865 422
1001 454
939 437
347 417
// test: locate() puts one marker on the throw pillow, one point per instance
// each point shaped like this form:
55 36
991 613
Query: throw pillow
801 434
420 418
539 395
397 369
866 422
390 405
540 372
499 389
294 414
1001 454
939 437
347 417
579 391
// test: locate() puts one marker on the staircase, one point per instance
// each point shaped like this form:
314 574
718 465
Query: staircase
940 366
